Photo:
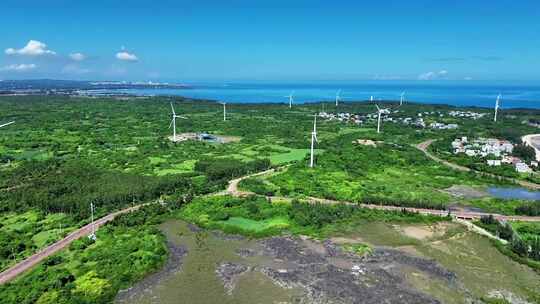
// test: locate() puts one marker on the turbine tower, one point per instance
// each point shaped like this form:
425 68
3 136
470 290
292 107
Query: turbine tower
379 111
338 97
93 235
402 98
497 106
291 99
173 122
224 111
313 140
6 124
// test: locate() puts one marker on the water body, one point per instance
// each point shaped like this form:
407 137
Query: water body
458 94
196 281
514 193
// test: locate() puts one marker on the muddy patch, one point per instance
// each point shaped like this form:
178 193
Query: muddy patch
221 268
466 192
423 232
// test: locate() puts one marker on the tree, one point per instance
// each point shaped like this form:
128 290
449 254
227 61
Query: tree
526 153
519 246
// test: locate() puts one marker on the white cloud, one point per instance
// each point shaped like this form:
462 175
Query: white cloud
433 75
77 56
468 78
74 69
32 48
19 67
125 56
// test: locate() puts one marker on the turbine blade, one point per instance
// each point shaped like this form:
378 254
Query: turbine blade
170 125
172 108
6 124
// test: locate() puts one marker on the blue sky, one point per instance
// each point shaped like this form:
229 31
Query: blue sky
271 40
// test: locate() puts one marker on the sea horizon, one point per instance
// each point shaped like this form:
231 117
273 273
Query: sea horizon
450 93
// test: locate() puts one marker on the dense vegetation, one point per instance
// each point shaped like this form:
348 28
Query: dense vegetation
92 272
389 174
64 153
256 216
57 186
523 240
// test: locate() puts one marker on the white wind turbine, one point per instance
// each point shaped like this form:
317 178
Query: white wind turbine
338 97
402 98
6 124
379 112
224 110
291 99
173 121
497 106
313 140
93 235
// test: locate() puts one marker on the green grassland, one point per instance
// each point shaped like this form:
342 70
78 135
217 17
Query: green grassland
64 153
256 216
388 174
21 234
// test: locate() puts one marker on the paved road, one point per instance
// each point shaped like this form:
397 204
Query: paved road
36 258
424 148
232 189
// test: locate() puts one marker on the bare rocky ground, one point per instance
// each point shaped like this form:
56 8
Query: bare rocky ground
328 274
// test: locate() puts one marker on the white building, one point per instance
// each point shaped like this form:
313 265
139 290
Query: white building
523 168
494 162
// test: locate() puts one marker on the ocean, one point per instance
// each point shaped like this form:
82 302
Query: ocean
459 94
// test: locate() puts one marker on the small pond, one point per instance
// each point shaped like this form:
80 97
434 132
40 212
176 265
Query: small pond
514 193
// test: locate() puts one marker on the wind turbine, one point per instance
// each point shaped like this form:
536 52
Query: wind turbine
338 97
173 122
93 235
224 110
379 111
402 98
291 99
6 124
497 106
313 140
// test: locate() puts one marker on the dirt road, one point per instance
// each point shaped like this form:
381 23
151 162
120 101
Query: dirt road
36 258
233 190
424 148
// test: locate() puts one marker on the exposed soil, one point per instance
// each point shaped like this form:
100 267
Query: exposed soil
466 192
330 275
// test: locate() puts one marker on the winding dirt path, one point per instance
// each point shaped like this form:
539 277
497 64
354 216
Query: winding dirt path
424 148
233 190
39 256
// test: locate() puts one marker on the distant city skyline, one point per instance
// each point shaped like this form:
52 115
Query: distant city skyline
217 41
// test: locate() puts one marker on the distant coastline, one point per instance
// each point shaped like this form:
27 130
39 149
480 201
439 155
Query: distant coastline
461 95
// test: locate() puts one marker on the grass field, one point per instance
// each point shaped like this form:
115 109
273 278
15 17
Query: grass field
25 233
256 227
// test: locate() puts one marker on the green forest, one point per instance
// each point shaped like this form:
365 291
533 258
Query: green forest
64 153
